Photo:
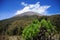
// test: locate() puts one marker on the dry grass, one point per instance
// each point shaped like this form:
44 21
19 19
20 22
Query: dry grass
5 37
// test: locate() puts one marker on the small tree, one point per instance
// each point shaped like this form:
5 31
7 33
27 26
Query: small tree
47 29
31 30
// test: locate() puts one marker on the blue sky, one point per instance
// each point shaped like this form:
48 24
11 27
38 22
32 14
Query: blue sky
8 8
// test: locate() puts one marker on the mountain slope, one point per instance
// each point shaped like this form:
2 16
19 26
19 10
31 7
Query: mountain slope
20 21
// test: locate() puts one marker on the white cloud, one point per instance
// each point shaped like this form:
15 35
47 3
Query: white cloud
23 3
34 8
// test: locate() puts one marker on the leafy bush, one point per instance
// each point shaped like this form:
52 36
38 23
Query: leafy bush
31 30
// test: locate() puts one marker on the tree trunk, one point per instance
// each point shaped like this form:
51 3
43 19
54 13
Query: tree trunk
50 37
